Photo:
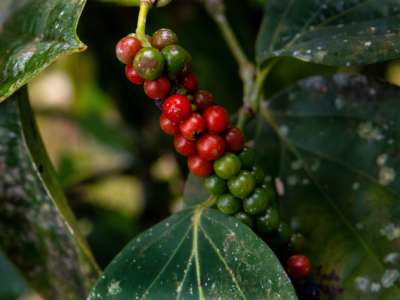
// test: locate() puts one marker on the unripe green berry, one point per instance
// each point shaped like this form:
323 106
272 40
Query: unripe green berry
284 232
245 219
258 202
242 185
227 166
297 242
258 173
177 60
269 222
228 204
247 156
215 185
163 38
149 63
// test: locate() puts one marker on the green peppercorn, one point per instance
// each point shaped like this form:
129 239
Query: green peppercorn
258 173
215 185
228 204
269 222
247 156
149 63
242 185
245 219
297 242
258 202
227 166
177 59
163 38
284 232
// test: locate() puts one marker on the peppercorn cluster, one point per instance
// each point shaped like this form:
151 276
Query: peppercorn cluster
202 133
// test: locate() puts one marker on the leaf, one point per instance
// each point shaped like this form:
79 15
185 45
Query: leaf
37 229
338 33
339 144
196 254
12 285
33 34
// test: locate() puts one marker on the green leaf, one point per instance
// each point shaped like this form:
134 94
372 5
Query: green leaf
339 33
196 254
33 34
37 229
339 143
12 285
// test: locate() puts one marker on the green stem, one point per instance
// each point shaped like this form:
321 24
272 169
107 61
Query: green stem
258 87
145 6
232 41
216 10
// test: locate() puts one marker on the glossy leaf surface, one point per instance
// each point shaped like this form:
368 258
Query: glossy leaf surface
34 33
37 229
338 146
339 33
196 254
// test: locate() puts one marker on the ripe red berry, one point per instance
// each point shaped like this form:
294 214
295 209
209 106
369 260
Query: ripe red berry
199 166
127 48
132 75
169 127
203 100
183 146
190 83
298 267
193 127
217 119
234 139
177 108
157 89
211 146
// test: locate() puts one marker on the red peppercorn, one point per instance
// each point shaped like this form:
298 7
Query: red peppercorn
177 108
203 100
193 127
157 89
183 146
190 83
298 267
127 48
199 166
211 146
132 75
169 127
217 119
234 139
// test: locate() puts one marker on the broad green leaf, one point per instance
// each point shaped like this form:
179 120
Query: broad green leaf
196 254
339 158
37 229
339 33
34 33
12 285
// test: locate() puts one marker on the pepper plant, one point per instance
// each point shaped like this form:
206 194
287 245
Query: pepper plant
294 196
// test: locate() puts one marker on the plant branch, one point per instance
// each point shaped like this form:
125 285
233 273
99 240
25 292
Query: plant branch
145 6
216 9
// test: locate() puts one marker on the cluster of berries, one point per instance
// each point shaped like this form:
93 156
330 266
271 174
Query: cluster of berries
201 131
